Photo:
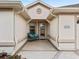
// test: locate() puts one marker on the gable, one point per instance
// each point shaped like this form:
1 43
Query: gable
38 11
38 2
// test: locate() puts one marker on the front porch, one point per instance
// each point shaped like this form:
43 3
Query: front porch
39 28
39 49
39 45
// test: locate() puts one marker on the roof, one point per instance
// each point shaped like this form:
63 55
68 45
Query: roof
11 4
73 5
74 8
38 2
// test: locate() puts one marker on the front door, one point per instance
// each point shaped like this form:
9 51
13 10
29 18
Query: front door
42 30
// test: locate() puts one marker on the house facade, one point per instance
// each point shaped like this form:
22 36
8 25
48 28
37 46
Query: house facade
58 25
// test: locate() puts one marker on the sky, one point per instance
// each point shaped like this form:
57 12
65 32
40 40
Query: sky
54 3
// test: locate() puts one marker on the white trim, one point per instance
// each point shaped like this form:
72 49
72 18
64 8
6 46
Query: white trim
6 44
65 10
19 46
24 14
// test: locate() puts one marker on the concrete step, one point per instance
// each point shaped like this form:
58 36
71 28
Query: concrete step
38 54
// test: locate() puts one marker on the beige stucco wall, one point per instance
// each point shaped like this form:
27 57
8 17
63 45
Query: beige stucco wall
33 12
6 26
21 28
77 32
54 27
54 30
66 32
66 28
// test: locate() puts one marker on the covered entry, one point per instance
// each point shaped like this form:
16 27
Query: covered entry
40 28
39 31
39 12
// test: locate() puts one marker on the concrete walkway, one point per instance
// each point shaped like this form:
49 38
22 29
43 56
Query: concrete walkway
43 49
40 49
43 45
50 55
66 55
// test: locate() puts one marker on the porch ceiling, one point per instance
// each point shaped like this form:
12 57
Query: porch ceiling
38 20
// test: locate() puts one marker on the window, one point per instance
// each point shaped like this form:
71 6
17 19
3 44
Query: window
38 11
42 29
32 27
77 21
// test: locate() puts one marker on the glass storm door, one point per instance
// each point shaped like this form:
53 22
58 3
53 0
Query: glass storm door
39 28
42 30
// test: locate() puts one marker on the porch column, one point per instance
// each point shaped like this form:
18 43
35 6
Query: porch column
37 27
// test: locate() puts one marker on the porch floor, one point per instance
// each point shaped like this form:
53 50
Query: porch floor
39 45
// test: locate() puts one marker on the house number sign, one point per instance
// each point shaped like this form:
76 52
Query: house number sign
66 26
